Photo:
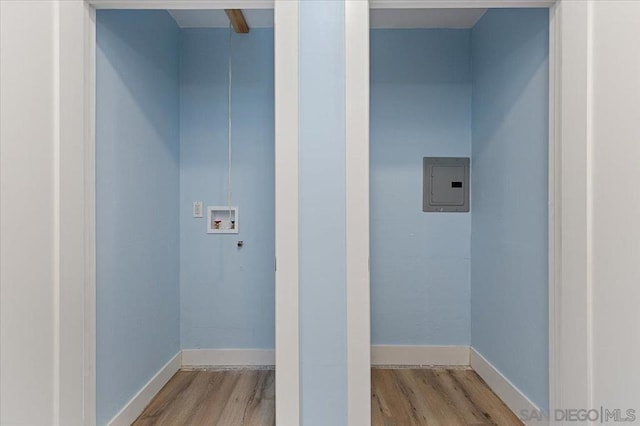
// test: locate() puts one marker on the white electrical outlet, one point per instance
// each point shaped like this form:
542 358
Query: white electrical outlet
197 209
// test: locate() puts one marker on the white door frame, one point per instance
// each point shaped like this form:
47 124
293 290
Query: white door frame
569 195
75 381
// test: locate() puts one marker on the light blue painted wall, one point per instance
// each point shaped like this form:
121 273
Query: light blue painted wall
227 293
509 174
137 190
323 322
420 262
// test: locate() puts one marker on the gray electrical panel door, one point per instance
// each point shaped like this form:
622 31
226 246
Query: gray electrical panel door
445 184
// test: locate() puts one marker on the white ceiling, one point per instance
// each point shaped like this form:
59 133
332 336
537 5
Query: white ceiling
425 18
380 18
256 18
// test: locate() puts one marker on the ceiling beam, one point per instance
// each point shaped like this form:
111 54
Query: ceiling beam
237 20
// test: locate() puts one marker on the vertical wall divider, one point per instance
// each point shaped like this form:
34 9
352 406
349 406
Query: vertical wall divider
287 241
357 204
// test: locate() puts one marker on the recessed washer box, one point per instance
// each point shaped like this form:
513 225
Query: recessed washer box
222 220
445 187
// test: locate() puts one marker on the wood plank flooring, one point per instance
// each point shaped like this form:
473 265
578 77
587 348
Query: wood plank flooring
226 397
400 397
435 396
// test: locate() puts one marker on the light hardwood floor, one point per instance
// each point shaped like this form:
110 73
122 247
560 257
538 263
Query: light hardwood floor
400 397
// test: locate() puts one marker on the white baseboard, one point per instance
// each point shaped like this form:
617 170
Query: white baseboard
227 357
507 391
137 404
392 355
419 355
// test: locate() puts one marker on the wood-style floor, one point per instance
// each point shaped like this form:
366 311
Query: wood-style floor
227 397
435 396
400 397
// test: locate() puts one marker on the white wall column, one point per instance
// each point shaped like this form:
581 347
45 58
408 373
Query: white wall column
287 225
323 319
29 198
357 208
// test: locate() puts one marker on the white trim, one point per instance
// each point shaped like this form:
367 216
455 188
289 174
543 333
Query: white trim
507 391
76 79
138 403
90 217
357 212
570 350
287 352
458 4
589 207
554 205
227 357
182 4
419 355
57 267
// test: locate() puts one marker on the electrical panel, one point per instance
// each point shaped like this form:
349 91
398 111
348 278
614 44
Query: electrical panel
445 184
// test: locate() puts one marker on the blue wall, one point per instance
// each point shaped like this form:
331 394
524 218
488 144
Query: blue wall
509 324
323 320
420 106
227 293
137 189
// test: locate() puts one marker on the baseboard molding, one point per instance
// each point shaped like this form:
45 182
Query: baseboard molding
507 391
392 355
227 357
419 355
137 404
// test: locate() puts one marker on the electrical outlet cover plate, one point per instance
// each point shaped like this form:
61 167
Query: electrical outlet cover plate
197 209
445 184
